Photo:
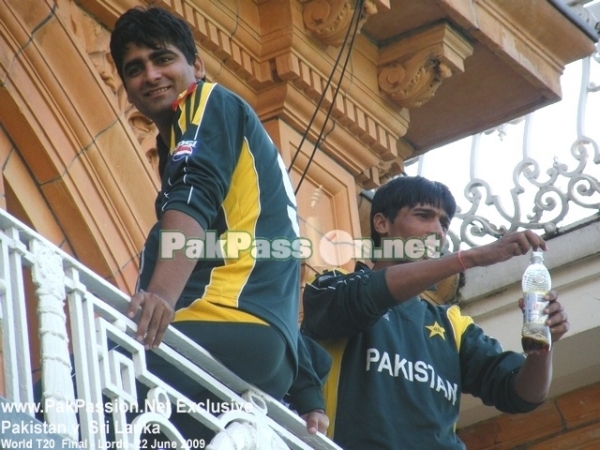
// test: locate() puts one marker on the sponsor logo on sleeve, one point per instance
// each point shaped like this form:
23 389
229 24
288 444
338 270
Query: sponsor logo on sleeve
183 150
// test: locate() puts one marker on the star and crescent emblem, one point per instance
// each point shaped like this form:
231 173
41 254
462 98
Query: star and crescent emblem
436 330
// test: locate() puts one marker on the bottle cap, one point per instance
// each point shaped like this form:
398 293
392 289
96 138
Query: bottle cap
537 255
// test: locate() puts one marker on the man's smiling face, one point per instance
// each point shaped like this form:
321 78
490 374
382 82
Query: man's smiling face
154 77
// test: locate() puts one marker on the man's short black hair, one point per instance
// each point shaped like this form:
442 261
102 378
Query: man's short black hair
409 191
151 27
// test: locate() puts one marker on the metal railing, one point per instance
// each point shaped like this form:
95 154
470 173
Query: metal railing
85 379
553 182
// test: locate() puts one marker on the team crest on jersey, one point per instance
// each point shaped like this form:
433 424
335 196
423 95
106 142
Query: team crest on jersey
436 330
183 149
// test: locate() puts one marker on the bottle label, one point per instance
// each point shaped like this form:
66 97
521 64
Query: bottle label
534 307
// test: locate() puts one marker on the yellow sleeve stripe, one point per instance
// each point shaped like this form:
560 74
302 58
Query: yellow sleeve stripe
206 91
198 111
459 324
330 389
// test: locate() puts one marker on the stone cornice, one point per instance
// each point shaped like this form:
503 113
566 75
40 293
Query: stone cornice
518 42
253 46
367 119
253 65
525 34
346 148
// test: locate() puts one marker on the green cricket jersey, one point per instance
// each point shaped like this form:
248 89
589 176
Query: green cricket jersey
222 169
399 368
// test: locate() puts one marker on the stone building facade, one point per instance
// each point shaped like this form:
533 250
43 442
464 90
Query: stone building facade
347 99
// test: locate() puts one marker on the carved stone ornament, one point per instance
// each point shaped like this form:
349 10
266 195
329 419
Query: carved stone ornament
414 81
49 279
95 39
329 20
412 69
48 275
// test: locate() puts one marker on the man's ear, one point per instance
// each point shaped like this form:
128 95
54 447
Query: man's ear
381 224
199 68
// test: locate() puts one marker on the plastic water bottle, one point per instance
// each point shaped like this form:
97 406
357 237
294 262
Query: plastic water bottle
536 283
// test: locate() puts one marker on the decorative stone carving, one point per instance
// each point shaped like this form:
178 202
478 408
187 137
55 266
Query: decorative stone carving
414 81
95 40
329 20
145 131
410 71
58 394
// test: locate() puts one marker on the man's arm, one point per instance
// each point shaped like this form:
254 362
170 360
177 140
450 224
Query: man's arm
192 198
341 309
306 393
156 305
533 380
338 306
405 281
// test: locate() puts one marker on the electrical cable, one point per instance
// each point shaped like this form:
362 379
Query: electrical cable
316 111
354 23
352 29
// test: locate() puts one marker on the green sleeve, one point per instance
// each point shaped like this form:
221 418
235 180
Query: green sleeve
340 306
489 373
306 393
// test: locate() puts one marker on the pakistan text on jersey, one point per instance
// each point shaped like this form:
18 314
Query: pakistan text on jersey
232 245
412 371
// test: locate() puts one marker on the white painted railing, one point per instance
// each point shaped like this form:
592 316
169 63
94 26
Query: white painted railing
538 172
67 292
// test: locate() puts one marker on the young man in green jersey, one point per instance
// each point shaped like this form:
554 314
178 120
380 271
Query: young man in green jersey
400 362
221 173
